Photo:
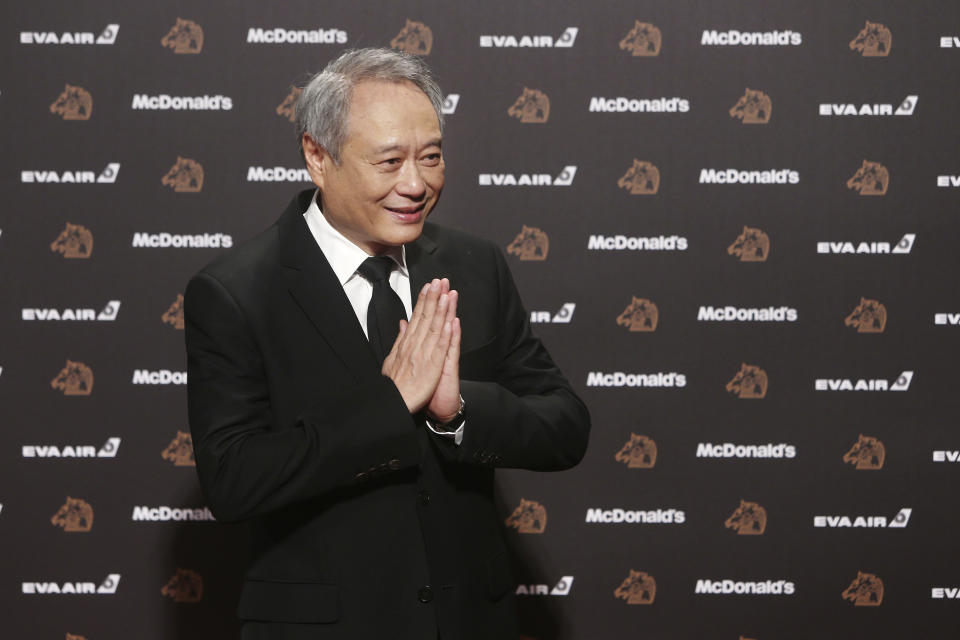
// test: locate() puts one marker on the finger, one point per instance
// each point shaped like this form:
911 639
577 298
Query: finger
418 308
444 285
427 306
433 348
443 345
452 365
452 307
430 324
437 323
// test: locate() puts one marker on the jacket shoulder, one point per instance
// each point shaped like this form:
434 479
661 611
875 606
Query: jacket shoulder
450 240
257 259
251 259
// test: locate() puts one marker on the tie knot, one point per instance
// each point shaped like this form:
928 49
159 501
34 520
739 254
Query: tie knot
376 268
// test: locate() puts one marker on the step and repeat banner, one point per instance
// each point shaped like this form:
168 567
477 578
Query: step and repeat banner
734 224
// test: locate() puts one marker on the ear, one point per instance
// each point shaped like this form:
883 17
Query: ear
319 161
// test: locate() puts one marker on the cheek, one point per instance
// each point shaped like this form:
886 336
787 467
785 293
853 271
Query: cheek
434 177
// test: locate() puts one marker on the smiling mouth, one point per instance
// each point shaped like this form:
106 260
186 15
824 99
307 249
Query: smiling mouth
407 214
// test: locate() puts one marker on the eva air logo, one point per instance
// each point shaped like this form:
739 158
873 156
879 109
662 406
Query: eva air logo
907 106
565 179
109 586
109 175
109 312
450 102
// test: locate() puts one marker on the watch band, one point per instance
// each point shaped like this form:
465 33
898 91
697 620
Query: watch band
454 423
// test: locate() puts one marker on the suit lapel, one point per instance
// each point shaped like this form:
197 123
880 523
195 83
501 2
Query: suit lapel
317 291
422 264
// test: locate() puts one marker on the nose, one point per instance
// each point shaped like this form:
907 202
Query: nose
410 183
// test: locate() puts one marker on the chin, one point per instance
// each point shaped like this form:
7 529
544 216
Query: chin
400 234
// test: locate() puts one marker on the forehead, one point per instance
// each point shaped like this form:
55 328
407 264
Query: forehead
381 109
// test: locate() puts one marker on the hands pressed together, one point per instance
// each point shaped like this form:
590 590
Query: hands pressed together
424 362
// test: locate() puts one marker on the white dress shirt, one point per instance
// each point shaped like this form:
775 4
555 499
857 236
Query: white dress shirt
345 258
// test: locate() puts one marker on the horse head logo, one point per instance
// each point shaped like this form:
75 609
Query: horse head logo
750 382
640 315
752 245
71 636
640 452
180 450
533 105
753 107
638 588
530 244
75 515
288 108
865 591
174 315
415 38
185 586
874 40
184 37
870 316
643 40
867 453
750 519
643 178
529 517
75 379
75 241
75 103
871 179
185 176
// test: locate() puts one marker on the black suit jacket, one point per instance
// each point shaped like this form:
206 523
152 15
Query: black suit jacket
365 525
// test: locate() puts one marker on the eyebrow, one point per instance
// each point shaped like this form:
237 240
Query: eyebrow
436 142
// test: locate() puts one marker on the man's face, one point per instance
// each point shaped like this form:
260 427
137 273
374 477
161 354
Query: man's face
391 168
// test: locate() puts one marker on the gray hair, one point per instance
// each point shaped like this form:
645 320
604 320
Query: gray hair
325 102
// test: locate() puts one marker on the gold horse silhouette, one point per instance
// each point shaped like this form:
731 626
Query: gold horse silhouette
186 36
415 38
753 107
529 517
643 40
638 588
533 106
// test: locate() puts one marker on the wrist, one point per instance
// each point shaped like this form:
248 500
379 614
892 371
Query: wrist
450 422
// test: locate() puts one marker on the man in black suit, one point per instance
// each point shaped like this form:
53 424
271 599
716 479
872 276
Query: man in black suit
360 445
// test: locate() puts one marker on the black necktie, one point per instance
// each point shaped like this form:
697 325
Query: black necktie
386 309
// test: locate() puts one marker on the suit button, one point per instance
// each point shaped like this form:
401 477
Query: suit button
424 497
394 464
425 594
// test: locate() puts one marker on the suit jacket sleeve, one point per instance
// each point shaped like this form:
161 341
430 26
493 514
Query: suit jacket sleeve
247 463
528 417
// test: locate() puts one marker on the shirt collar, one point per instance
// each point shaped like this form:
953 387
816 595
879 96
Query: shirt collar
344 256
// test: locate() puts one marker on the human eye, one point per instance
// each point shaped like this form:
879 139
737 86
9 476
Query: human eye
391 163
432 159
